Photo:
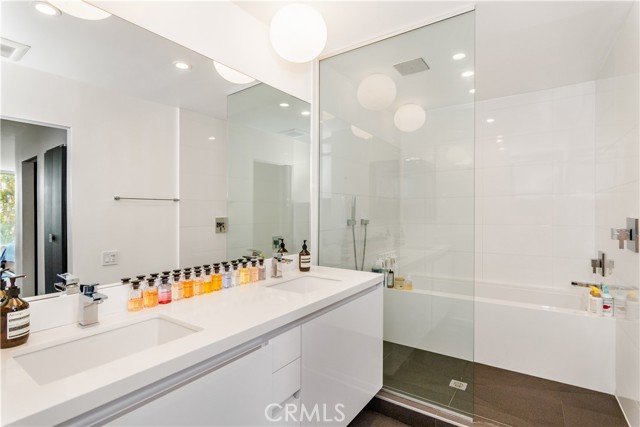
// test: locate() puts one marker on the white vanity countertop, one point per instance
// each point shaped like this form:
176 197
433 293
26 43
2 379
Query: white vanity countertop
228 318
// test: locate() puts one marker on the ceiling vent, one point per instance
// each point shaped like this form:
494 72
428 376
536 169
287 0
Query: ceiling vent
412 67
11 50
293 133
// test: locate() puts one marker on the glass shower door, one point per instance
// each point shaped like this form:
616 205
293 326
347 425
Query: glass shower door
397 192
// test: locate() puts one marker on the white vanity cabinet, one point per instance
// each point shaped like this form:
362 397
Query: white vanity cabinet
342 361
235 393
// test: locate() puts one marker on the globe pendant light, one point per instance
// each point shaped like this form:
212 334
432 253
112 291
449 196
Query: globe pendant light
409 118
231 75
298 33
376 92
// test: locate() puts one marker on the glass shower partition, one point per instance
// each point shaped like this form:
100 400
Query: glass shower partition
397 192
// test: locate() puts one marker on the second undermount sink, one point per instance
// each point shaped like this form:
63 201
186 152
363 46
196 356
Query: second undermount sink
306 284
62 359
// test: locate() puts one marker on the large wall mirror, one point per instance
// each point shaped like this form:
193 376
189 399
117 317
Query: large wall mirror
93 109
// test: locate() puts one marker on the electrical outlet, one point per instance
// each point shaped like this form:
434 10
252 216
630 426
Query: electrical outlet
109 257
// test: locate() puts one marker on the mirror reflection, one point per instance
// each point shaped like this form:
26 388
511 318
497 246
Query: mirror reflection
138 117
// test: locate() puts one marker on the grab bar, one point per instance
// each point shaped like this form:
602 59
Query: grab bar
116 198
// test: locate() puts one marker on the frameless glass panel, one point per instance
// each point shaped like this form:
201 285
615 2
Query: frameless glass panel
397 192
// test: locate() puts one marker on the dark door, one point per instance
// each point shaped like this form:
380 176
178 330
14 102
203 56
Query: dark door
29 192
55 215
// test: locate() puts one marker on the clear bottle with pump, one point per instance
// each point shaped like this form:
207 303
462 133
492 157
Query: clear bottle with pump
135 302
187 284
226 276
217 277
262 270
164 290
176 287
304 259
15 320
235 274
150 294
244 273
253 271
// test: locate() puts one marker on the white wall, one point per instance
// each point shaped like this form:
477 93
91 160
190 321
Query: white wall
535 188
617 192
203 188
118 145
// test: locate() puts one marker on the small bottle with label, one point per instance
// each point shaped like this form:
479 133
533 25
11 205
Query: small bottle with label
150 294
262 270
607 302
176 287
15 320
217 277
187 284
226 276
208 280
304 259
198 282
235 274
164 290
253 270
135 302
244 273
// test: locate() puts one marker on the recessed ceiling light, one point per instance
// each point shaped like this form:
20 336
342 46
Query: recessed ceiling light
472 91
284 104
182 65
501 149
498 141
46 8
212 138
467 74
459 56
490 120
305 113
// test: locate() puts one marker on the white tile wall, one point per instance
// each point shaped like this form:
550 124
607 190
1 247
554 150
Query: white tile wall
535 187
617 193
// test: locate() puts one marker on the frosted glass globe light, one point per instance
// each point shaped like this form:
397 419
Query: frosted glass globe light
376 92
80 9
231 75
409 118
298 33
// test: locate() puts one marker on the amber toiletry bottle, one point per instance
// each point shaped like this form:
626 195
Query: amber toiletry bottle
304 260
14 315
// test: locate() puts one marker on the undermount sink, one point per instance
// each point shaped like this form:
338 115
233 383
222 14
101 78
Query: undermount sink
306 284
62 359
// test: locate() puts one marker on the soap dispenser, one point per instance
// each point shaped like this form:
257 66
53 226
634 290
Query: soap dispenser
282 250
304 259
14 315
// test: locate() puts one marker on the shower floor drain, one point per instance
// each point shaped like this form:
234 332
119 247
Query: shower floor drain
458 384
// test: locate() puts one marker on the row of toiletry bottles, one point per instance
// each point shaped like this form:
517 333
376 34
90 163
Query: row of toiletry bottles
603 303
191 282
387 264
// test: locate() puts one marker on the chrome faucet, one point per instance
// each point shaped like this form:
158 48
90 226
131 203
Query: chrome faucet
70 284
276 265
89 300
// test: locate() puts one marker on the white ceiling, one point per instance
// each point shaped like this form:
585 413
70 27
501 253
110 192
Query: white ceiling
115 54
521 46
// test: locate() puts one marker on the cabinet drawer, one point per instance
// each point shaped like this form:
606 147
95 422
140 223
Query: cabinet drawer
286 382
285 348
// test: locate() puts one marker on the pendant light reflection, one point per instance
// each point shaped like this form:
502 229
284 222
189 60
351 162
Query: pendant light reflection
298 33
409 118
231 75
360 133
80 9
377 92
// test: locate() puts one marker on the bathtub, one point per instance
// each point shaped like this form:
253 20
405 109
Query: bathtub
544 333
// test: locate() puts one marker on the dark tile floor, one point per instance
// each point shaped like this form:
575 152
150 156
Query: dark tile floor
496 395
